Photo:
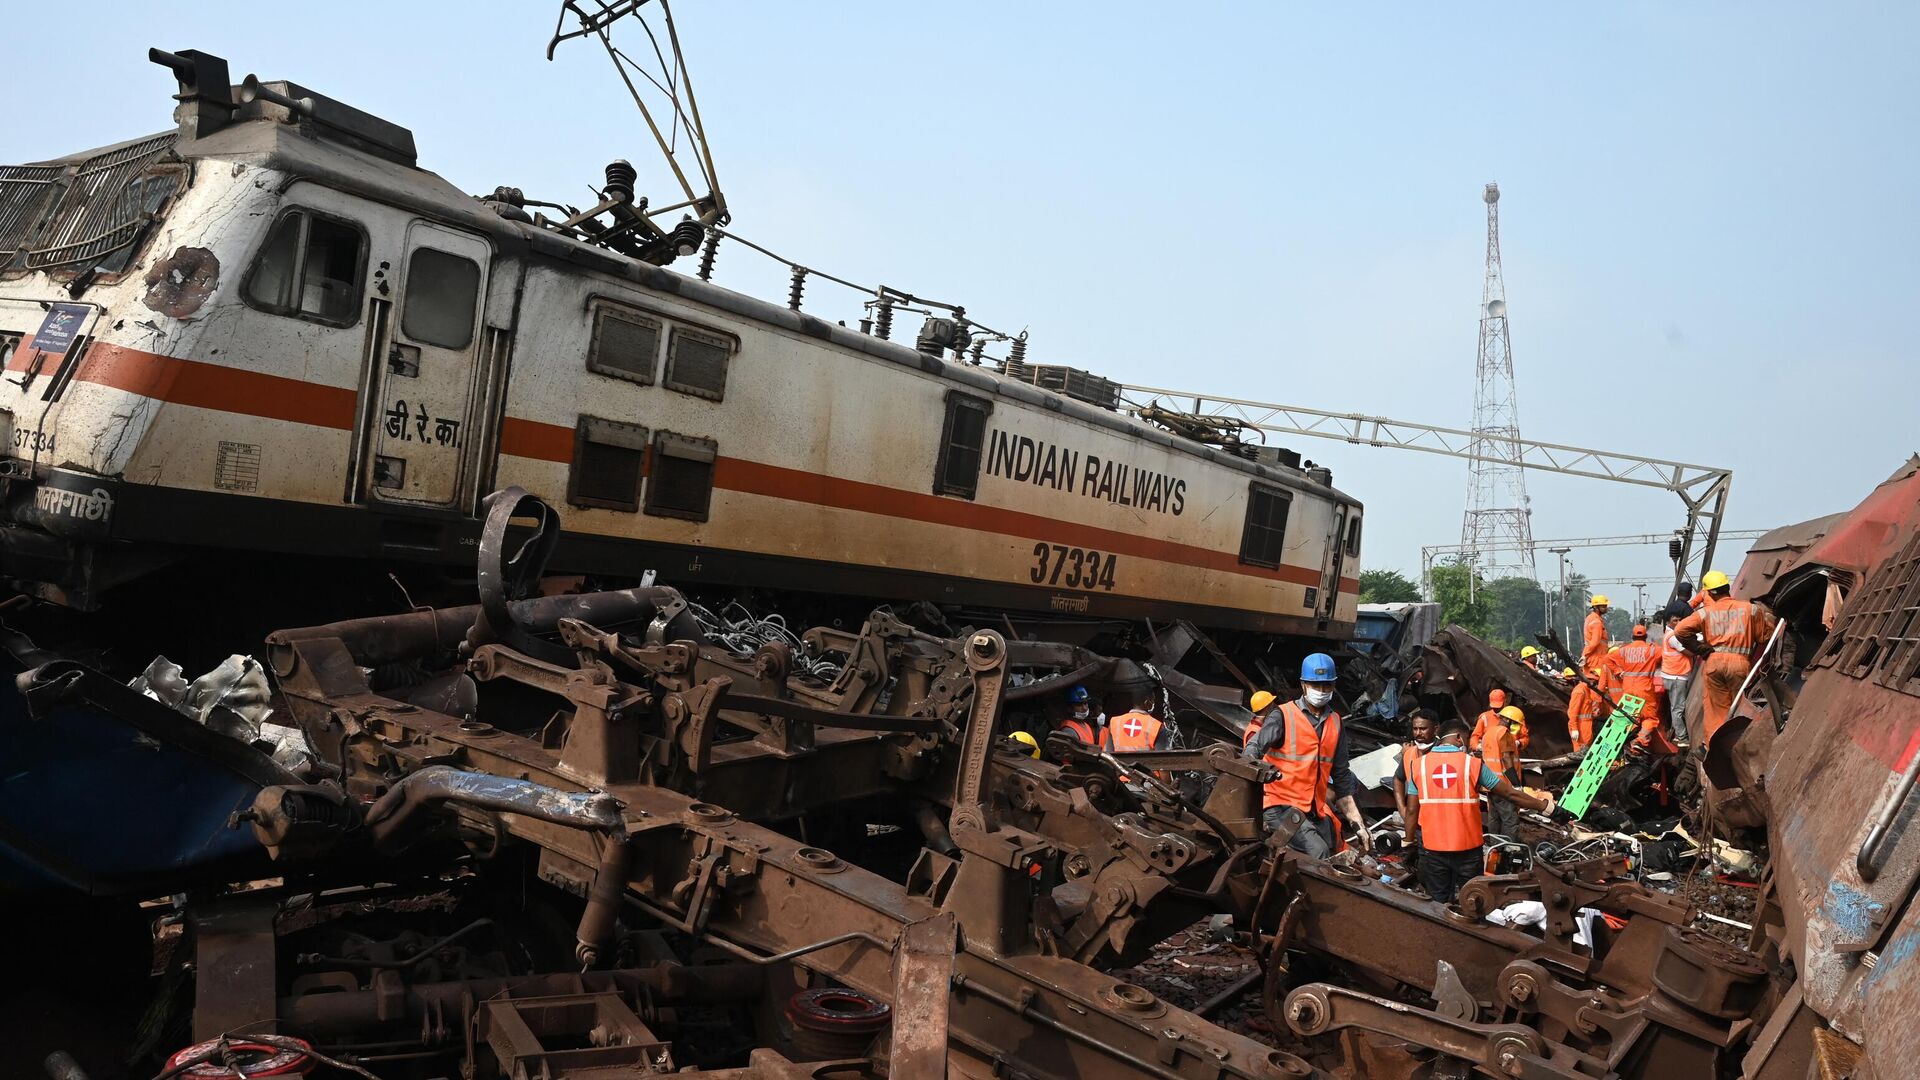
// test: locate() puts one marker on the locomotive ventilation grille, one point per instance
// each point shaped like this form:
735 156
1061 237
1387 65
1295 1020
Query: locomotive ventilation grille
86 215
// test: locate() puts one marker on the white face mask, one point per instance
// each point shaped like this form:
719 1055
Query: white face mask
1080 712
1318 698
1423 744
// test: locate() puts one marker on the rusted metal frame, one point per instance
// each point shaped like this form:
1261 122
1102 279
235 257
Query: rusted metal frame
774 893
786 894
387 639
1182 1058
922 987
1398 936
338 1013
1501 1049
234 951
1565 890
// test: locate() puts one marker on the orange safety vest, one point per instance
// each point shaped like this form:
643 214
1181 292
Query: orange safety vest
1496 750
1594 638
1638 663
1084 731
1134 731
1583 713
1729 625
1486 722
1449 794
1304 760
1674 660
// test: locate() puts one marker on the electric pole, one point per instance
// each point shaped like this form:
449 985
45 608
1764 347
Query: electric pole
1562 601
1497 521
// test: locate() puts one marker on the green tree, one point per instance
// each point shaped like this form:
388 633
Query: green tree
1462 596
1387 587
1515 611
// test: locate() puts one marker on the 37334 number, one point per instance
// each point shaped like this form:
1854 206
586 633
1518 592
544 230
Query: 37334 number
1075 568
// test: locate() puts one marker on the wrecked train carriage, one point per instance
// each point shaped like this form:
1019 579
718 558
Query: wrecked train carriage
512 792
1825 760
636 767
273 331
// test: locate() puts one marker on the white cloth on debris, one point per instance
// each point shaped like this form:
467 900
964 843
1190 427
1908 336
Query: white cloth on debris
1534 913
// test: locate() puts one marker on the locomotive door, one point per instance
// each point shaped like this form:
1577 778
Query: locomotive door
422 420
1332 563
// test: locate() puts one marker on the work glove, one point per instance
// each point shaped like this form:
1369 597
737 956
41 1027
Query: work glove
1351 811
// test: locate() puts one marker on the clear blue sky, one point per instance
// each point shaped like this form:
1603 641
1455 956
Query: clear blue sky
1709 211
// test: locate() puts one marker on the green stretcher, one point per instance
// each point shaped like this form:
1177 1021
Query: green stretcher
1601 755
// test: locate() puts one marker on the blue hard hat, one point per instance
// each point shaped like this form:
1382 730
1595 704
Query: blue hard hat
1317 668
1077 695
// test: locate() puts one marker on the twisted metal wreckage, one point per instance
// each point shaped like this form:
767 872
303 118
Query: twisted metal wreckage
466 759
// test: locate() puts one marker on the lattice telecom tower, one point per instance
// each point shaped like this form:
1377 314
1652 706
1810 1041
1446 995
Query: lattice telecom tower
1496 535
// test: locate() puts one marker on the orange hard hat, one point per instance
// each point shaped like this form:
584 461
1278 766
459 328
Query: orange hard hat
1639 631
1496 698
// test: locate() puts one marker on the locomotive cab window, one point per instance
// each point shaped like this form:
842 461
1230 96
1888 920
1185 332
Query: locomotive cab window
608 460
1353 537
963 438
442 290
681 480
626 344
1265 535
310 268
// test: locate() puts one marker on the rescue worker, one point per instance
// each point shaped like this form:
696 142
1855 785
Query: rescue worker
1501 752
1726 632
1637 666
1488 718
1079 721
1531 656
1138 730
1302 740
1583 714
1424 723
1567 675
1593 633
1676 669
1446 785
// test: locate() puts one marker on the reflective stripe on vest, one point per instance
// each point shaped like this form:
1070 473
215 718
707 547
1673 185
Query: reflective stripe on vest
1134 731
1304 760
1083 730
1449 801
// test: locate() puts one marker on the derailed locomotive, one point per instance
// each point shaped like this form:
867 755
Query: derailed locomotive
270 330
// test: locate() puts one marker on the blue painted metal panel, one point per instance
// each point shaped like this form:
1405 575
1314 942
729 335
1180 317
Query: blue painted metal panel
109 792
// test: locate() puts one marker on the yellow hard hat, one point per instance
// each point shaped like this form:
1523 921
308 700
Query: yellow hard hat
1261 699
1613 648
1528 652
1566 673
1713 579
1513 713
1032 744
1599 600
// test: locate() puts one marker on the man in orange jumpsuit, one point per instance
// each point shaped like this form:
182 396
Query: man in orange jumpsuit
1638 666
1583 713
1733 630
1501 752
1593 632
1489 718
